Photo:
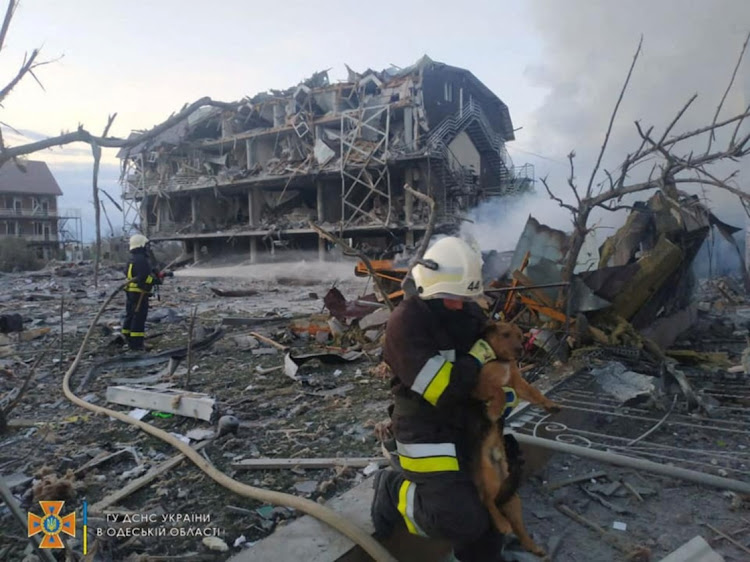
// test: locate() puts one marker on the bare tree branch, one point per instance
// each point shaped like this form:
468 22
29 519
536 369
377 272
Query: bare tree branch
26 67
571 179
97 152
612 119
112 200
430 202
559 201
712 136
12 5
106 216
82 135
676 119
348 250
737 128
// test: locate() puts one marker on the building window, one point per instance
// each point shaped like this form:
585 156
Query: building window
448 91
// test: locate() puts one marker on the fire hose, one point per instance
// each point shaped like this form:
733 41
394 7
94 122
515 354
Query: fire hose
324 514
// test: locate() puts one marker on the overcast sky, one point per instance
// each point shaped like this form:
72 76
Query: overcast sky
558 65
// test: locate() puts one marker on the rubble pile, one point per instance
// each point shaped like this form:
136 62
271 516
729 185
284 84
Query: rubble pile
280 385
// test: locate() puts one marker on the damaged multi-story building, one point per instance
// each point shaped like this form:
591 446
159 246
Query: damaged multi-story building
339 154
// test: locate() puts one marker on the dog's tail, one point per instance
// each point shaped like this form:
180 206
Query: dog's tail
515 464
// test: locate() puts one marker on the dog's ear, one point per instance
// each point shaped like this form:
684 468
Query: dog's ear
489 326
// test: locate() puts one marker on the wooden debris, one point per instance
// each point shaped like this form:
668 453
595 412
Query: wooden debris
20 516
101 459
237 293
269 341
175 401
606 535
266 464
575 479
695 549
632 490
37 333
736 543
139 483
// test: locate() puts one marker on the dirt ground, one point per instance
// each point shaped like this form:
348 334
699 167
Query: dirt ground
328 412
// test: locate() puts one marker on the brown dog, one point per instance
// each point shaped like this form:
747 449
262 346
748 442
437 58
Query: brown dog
496 481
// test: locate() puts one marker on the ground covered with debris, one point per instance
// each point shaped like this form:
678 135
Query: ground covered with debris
52 449
306 421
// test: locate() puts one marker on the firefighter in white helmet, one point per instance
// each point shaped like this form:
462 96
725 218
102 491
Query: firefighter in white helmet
142 276
434 350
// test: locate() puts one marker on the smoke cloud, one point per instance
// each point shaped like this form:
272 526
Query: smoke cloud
688 47
587 48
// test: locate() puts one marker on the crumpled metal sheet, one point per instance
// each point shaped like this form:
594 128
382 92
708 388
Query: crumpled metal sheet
343 310
542 242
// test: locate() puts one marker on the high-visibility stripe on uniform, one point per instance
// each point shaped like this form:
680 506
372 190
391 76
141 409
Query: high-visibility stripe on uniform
125 332
137 334
406 507
448 354
133 287
427 457
433 378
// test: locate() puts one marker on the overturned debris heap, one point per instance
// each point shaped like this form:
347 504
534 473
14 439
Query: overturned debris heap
335 153
643 285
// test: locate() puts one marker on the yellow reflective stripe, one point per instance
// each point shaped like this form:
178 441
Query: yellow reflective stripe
406 507
130 271
149 279
125 332
429 464
433 378
137 334
435 389
427 457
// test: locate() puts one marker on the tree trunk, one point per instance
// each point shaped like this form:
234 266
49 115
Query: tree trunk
577 238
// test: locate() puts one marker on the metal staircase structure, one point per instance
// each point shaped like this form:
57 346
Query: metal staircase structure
472 119
364 164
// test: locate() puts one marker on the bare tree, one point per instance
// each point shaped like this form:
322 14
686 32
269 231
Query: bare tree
30 63
673 164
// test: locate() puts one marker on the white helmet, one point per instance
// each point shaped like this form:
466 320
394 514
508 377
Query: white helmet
138 241
451 268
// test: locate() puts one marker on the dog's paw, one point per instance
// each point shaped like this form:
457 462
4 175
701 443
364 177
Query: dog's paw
535 549
552 407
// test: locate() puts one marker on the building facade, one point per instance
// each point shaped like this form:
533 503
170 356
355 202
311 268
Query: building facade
28 205
252 178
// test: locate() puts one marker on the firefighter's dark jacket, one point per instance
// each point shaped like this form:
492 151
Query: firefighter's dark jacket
140 273
435 420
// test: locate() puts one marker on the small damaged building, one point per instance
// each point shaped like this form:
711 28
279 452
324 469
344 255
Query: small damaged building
338 154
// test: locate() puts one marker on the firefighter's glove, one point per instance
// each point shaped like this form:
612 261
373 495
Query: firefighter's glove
482 352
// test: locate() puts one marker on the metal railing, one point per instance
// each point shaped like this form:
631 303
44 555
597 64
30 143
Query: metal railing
38 213
456 123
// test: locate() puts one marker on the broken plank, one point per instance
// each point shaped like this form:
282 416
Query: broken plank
265 464
574 480
174 401
312 540
697 549
139 483
243 321
237 293
728 538
269 341
101 459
